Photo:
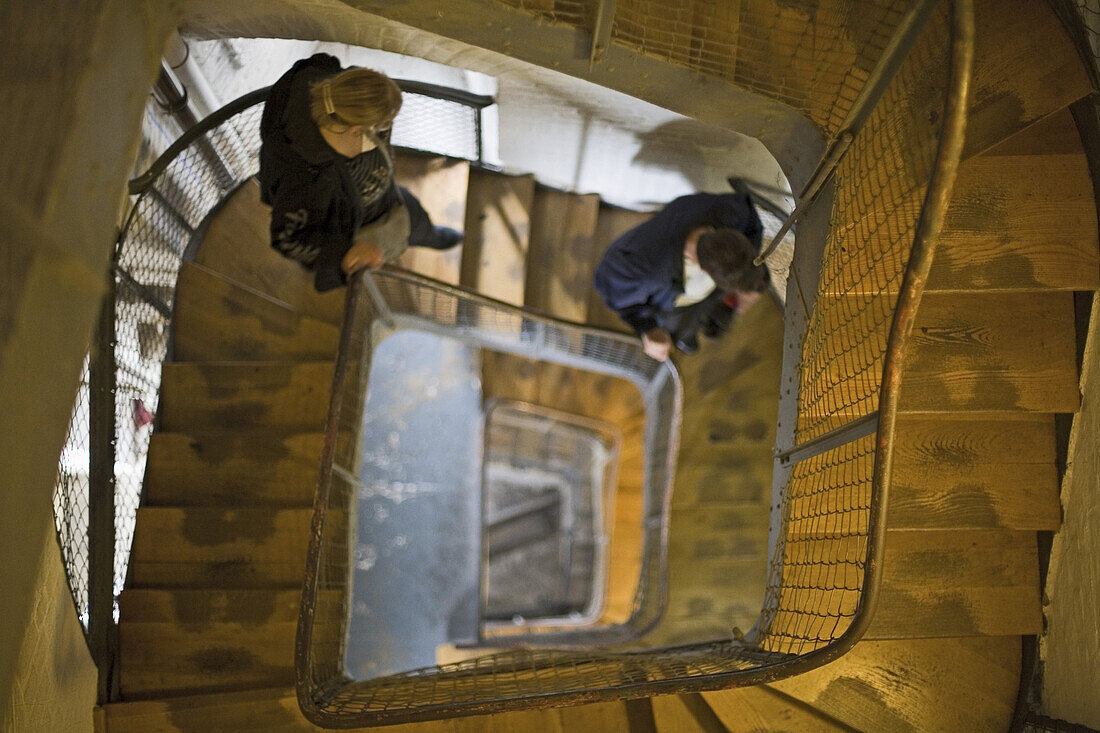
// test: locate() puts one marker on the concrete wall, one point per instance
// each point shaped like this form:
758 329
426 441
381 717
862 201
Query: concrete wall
1071 645
74 75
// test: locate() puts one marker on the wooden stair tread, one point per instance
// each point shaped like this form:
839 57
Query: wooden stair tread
498 227
237 244
1019 222
560 261
440 184
202 606
1025 68
275 710
163 659
220 547
216 319
938 684
763 708
228 395
226 467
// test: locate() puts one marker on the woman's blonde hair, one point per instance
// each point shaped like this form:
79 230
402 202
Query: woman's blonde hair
355 97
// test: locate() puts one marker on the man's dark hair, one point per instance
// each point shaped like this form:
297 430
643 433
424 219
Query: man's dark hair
726 255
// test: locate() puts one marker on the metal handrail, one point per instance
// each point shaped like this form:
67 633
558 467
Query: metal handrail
771 666
896 51
140 184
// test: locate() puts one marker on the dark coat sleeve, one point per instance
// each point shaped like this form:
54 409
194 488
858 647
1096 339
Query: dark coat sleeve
628 282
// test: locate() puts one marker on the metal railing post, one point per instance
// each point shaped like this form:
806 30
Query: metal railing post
101 497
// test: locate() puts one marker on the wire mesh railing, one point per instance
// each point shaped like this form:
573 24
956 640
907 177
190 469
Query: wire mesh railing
170 204
889 199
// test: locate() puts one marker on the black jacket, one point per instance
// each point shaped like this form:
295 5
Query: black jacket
642 272
316 208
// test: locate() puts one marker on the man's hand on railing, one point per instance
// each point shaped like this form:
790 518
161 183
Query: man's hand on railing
362 254
657 343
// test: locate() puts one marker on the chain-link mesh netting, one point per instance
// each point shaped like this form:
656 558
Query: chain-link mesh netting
437 126
814 56
155 239
817 572
879 188
70 498
818 568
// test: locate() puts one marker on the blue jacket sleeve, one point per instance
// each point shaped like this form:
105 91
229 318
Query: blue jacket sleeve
624 280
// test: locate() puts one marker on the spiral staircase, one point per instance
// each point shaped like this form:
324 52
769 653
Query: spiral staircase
208 617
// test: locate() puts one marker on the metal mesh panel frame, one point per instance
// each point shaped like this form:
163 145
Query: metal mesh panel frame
795 633
170 204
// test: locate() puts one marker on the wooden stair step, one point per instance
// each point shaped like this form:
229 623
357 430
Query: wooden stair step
686 713
275 710
983 473
440 184
1019 220
1025 68
764 708
498 228
196 608
969 352
611 223
206 547
915 684
228 395
218 320
1003 351
237 244
560 261
939 583
951 471
166 659
232 467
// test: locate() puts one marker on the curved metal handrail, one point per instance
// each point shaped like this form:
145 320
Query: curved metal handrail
769 666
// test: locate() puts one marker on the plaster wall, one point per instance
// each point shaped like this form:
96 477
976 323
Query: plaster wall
74 75
55 681
1071 644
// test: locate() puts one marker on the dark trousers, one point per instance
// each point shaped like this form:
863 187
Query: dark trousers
687 320
421 232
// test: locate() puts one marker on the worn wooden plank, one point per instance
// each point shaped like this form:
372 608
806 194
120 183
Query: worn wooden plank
1025 68
559 260
687 713
217 320
958 583
220 547
237 244
762 709
271 710
1005 351
196 608
498 226
229 395
163 659
1055 134
232 467
440 185
611 223
918 685
1006 231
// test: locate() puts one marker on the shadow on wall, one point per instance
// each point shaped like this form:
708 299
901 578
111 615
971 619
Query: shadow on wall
674 146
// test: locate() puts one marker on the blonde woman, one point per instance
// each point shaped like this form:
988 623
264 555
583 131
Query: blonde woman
326 171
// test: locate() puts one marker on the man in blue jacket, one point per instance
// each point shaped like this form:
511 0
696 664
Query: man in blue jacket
682 269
